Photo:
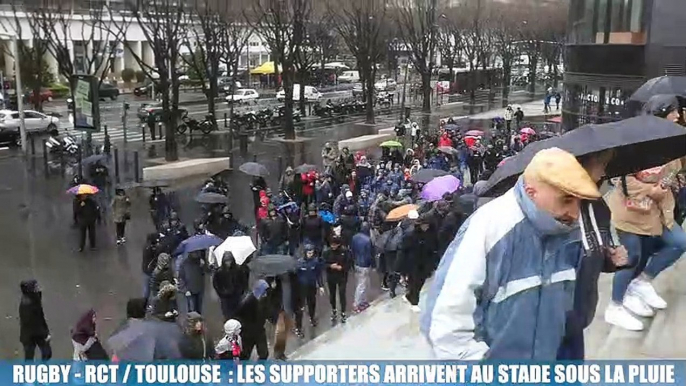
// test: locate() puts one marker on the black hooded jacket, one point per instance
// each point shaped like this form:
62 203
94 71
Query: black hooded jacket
31 318
230 282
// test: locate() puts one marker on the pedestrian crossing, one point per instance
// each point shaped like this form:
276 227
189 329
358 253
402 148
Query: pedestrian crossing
133 134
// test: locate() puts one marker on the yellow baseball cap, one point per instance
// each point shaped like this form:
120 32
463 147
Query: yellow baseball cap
561 170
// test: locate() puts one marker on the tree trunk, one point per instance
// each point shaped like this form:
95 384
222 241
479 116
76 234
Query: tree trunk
287 82
426 92
170 151
302 74
211 98
369 71
507 76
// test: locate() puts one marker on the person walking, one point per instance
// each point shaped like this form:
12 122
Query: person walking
85 340
192 279
509 114
230 347
195 344
121 205
33 329
230 281
337 259
309 271
87 213
472 311
417 257
252 315
363 254
519 117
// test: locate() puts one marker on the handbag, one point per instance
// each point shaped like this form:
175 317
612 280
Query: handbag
96 352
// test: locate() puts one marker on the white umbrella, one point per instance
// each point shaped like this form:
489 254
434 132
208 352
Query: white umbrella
335 66
240 246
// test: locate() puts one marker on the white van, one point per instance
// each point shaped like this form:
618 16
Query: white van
311 94
349 77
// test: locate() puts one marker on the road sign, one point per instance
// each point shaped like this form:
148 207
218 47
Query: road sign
86 104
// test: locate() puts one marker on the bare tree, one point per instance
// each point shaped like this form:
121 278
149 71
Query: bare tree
162 24
325 40
504 29
555 33
449 40
418 30
61 27
362 25
472 21
282 25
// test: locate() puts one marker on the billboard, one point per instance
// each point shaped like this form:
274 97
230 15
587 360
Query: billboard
86 111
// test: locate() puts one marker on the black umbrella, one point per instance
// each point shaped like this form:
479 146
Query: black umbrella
146 340
675 85
425 175
272 265
449 150
640 143
93 159
154 184
304 168
211 198
254 169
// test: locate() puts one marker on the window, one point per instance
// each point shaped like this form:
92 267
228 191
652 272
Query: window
254 44
32 114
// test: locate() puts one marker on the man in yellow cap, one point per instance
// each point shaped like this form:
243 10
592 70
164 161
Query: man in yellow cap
504 286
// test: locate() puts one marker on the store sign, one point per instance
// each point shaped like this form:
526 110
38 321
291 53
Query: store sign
609 101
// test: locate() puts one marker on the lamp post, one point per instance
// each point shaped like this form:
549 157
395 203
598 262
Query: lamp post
18 91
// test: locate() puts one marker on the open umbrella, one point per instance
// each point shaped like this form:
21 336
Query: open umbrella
93 159
211 198
448 150
155 184
272 265
425 175
146 340
391 144
400 212
474 133
527 131
254 169
83 189
436 188
675 85
304 168
240 246
197 243
639 143
451 127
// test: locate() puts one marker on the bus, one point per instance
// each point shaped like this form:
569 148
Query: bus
460 83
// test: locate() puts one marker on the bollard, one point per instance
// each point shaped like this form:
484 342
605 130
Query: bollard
159 125
33 145
136 169
45 158
80 158
116 165
226 120
143 131
254 158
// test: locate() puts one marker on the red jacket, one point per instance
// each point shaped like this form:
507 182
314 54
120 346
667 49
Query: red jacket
308 180
263 210
445 141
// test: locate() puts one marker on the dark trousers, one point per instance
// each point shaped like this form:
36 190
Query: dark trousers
415 282
508 126
309 293
572 347
229 307
121 229
90 229
337 284
43 346
254 339
474 173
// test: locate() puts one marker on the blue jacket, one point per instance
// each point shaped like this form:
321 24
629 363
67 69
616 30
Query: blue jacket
503 288
363 250
310 271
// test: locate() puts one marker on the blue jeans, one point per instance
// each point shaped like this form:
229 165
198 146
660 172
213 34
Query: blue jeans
195 303
647 254
146 286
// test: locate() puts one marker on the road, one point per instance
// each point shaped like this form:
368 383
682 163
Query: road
111 112
38 243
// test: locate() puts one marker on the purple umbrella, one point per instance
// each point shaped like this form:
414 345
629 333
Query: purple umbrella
436 188
197 243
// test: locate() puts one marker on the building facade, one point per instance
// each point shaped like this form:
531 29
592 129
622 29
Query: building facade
80 44
613 47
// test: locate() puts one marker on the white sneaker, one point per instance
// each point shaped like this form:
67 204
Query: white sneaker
647 293
620 317
634 304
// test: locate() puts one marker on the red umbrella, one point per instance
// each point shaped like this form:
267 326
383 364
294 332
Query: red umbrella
528 131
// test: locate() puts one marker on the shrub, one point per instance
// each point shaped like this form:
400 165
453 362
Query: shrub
59 90
140 76
128 74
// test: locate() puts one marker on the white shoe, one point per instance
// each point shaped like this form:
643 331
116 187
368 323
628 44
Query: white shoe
634 304
620 317
415 308
647 293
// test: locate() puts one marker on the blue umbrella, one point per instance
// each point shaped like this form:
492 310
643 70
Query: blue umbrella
327 216
197 243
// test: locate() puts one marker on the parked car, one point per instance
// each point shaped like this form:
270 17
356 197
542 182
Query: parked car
108 91
35 122
357 90
311 94
349 77
245 95
144 89
45 96
386 85
156 110
225 84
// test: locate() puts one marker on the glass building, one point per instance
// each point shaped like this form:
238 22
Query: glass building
613 47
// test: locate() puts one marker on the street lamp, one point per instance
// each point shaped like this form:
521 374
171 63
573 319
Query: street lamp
18 88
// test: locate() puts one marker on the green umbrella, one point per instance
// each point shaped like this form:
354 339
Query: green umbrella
391 144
